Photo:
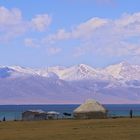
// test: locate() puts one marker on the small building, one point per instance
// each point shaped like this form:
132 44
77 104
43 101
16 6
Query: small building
52 115
31 115
91 109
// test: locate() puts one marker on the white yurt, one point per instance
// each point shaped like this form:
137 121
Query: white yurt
31 115
52 115
91 109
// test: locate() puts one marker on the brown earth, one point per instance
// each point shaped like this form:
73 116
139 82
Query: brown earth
101 129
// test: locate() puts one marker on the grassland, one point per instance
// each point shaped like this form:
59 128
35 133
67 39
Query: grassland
106 129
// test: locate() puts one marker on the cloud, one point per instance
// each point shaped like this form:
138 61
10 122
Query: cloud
61 34
9 17
128 24
12 23
29 42
86 29
53 50
103 36
41 22
83 30
100 36
34 43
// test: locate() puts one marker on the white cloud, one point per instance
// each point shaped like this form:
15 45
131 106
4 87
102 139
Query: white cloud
53 50
29 42
127 19
86 29
61 34
12 23
104 36
41 22
83 30
33 43
99 36
9 17
127 25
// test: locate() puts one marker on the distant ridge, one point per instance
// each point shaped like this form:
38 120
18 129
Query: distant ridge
118 83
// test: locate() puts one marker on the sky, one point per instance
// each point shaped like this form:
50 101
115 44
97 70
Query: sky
69 32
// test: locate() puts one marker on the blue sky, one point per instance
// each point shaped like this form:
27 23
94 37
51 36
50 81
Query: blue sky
68 32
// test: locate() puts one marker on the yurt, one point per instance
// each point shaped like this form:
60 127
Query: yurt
31 115
91 109
52 115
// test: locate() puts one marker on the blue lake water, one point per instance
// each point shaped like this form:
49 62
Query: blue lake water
13 112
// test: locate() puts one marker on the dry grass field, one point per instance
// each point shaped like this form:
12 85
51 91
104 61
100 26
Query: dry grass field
106 129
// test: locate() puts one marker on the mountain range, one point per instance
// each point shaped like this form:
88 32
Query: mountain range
115 84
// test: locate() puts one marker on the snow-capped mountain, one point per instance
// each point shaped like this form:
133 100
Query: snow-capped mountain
119 83
78 72
124 71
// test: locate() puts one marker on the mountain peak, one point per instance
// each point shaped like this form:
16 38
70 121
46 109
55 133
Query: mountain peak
5 72
124 64
122 70
83 65
84 68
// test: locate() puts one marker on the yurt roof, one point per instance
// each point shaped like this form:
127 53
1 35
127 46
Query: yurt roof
53 113
37 111
90 106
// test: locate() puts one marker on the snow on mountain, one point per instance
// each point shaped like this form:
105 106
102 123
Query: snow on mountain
15 71
23 70
78 72
5 72
123 71
118 83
